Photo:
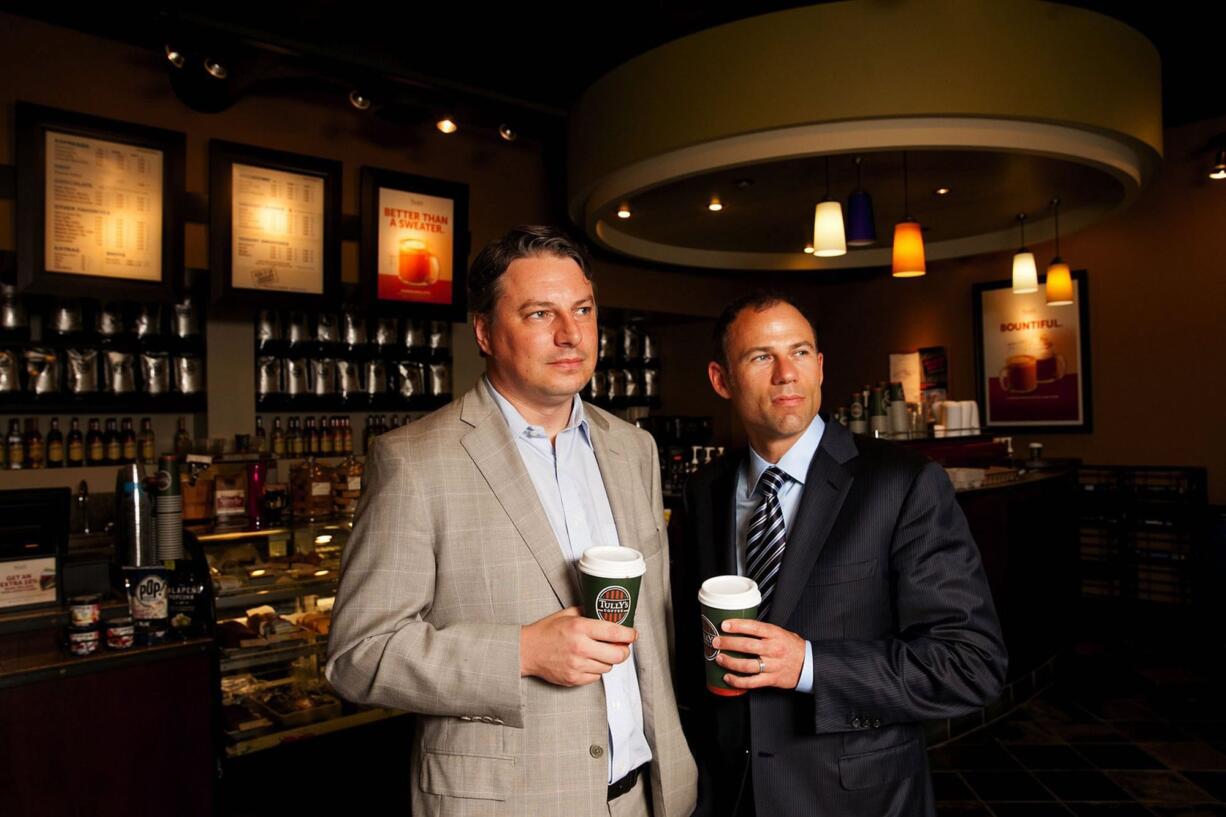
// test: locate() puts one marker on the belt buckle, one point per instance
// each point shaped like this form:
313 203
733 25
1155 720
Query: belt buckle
620 787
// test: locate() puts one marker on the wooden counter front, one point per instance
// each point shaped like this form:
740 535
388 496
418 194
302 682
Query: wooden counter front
115 733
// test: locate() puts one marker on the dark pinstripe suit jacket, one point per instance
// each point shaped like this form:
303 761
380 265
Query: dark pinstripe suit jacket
882 575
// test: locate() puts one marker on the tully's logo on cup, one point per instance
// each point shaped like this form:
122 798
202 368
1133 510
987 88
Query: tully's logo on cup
613 604
708 635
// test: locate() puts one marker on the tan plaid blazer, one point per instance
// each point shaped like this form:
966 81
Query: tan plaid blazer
451 552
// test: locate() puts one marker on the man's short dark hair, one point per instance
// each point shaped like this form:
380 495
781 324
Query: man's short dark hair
759 300
521 242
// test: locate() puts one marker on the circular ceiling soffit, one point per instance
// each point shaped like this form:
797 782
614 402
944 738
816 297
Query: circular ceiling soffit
956 81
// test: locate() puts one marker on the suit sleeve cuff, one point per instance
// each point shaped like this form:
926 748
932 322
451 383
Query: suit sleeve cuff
805 684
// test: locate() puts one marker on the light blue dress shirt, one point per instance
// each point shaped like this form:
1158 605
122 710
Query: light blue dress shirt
568 481
795 464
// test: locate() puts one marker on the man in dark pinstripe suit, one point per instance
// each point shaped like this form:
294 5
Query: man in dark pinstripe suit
876 613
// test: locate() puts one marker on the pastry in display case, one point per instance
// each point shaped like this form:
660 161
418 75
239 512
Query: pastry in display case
272 594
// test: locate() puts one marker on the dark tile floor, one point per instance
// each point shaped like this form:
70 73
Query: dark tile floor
1120 734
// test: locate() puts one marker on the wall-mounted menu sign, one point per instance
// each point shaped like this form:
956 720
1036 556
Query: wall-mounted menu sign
273 225
414 243
103 208
98 205
277 230
1033 359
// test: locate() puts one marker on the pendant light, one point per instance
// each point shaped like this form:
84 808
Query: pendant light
861 227
1219 167
1059 279
1025 273
908 238
828 237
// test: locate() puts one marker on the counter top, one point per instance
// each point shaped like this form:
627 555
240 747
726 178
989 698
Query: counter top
24 661
1023 478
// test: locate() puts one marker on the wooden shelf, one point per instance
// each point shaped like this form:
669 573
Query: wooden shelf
94 405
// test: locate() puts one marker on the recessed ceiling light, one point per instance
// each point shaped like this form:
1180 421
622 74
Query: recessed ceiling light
359 100
741 184
715 205
941 191
216 69
809 248
507 133
447 125
624 210
174 56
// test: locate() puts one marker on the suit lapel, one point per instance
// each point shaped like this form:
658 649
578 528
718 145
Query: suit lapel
619 477
623 484
826 486
494 453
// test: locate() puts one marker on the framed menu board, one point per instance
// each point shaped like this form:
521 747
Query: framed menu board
274 222
414 244
99 205
1032 360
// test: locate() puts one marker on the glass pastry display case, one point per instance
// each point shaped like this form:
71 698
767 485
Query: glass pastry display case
273 591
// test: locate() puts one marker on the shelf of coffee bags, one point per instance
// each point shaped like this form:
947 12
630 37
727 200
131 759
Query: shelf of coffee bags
132 403
340 351
117 343
311 403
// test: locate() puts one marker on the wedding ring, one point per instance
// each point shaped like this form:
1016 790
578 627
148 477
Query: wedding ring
761 666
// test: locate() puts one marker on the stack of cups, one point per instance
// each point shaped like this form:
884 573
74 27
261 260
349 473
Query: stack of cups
899 421
168 507
722 598
133 518
955 422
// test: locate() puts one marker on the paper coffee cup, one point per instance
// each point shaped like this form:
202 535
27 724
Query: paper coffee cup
610 577
722 598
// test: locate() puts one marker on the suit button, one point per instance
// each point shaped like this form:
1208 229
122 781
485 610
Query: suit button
855 723
596 750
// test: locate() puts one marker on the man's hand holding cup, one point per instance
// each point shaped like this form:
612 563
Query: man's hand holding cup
573 647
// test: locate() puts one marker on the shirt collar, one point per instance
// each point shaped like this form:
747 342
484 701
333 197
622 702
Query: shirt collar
522 428
794 463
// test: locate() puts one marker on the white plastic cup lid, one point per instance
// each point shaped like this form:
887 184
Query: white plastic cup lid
612 562
730 593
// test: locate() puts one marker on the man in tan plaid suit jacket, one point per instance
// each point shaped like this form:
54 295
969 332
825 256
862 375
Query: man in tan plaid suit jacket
457 600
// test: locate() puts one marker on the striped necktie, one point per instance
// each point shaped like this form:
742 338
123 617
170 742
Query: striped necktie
766 538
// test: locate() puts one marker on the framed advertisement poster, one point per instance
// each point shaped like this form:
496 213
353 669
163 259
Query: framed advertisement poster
415 244
274 225
1032 361
99 205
